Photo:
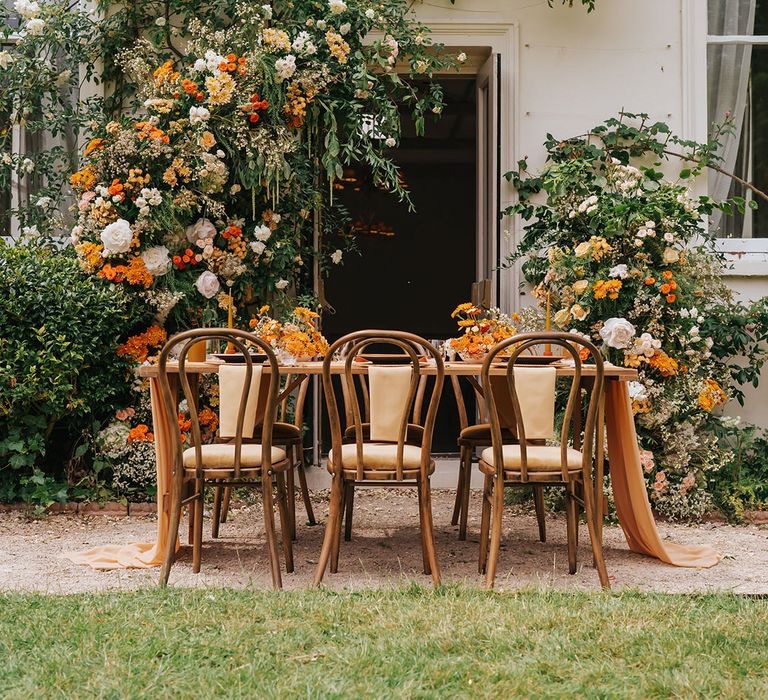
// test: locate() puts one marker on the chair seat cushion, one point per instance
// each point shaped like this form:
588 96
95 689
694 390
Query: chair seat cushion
482 431
220 456
539 458
378 456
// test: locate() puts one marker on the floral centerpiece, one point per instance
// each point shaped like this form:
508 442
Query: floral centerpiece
620 251
481 330
295 340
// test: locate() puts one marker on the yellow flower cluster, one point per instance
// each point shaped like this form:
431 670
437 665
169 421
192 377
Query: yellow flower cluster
337 46
711 395
609 288
276 40
220 88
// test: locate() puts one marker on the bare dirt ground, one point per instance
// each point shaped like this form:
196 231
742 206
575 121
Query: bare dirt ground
384 551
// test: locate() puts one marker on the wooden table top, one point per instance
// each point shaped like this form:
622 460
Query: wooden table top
460 369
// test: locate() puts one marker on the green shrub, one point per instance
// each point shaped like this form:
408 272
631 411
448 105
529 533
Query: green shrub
59 374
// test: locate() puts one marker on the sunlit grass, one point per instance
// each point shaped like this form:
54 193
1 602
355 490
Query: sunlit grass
411 642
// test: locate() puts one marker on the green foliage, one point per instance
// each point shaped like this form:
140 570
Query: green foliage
58 371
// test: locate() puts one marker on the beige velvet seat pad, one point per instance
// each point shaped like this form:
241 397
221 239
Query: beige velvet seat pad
379 457
222 456
539 458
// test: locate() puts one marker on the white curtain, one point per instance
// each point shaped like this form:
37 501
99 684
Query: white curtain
728 67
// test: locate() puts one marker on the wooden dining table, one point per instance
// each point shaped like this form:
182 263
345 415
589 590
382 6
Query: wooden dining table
614 413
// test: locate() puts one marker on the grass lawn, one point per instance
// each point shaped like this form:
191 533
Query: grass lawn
413 642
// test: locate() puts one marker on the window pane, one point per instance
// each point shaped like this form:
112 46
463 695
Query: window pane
730 90
737 17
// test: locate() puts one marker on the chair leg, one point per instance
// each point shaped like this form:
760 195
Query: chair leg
285 521
597 549
467 468
304 488
538 502
337 534
290 486
429 535
334 514
422 530
197 544
485 524
225 503
191 524
269 530
349 504
216 517
459 490
497 512
572 524
173 533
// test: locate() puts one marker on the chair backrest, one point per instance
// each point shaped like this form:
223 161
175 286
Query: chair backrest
241 341
573 346
393 429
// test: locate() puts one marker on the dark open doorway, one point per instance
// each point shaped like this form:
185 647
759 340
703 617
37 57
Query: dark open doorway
415 267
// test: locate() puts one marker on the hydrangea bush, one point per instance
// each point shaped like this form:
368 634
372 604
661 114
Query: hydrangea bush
620 252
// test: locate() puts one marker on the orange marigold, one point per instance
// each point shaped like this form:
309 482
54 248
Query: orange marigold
137 346
667 366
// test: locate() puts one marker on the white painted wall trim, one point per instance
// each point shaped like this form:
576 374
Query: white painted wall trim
748 257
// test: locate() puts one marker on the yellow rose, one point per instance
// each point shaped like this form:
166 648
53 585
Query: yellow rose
562 318
582 249
580 286
579 312
671 255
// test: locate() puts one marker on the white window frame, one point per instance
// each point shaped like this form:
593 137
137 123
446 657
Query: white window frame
748 256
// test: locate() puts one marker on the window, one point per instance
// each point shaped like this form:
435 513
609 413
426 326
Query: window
737 72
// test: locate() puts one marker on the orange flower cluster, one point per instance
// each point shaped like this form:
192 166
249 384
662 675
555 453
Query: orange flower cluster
165 75
146 130
141 433
192 89
90 254
135 273
232 64
185 425
137 346
668 287
711 395
208 419
116 189
295 106
94 145
83 179
480 334
252 108
667 366
188 257
609 288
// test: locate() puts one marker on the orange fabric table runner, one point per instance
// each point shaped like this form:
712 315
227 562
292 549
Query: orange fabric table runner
629 491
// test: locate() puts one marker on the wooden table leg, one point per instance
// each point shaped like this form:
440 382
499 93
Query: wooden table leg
600 467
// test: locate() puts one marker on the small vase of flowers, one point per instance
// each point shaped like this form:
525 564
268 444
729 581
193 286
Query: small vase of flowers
481 330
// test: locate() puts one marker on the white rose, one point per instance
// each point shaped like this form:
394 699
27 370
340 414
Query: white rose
26 8
262 233
258 247
582 249
117 237
671 255
321 24
198 115
337 6
42 202
285 67
669 237
637 392
462 57
617 333
200 65
336 256
650 224
35 26
390 142
208 284
282 284
202 228
344 28
369 13
620 271
160 21
156 260
5 60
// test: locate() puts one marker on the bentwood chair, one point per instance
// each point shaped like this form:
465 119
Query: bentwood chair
478 436
229 464
382 455
543 465
288 435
